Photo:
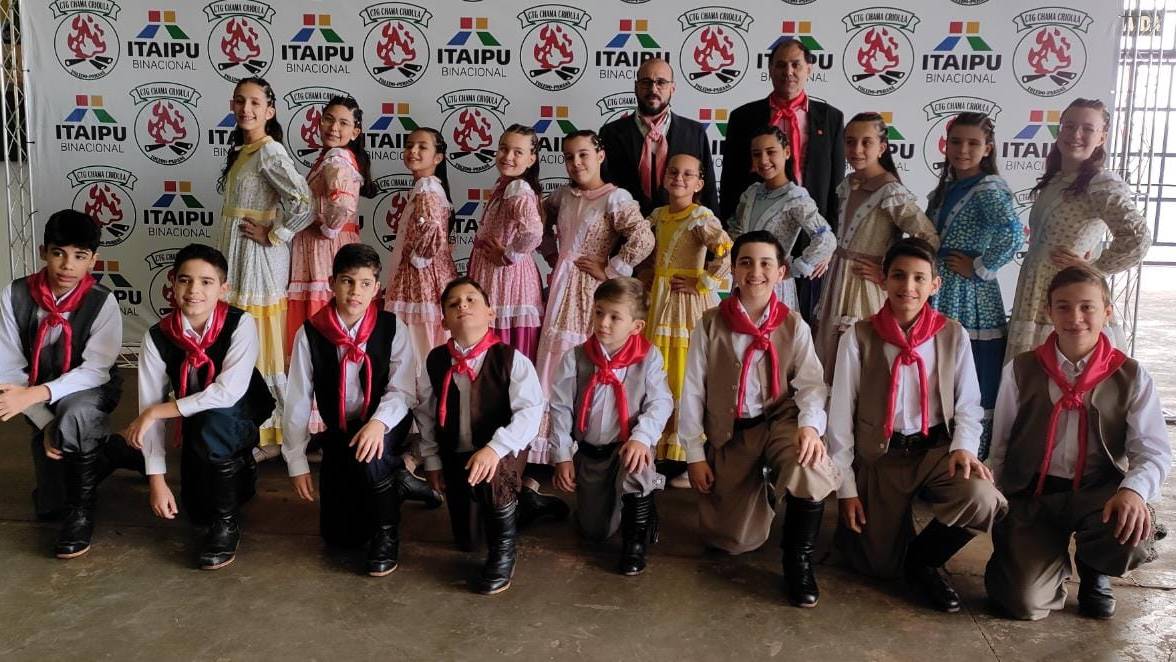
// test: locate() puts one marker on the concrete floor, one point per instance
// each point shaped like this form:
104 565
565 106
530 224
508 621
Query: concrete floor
136 595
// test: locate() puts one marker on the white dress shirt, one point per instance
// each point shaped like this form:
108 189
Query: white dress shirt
396 401
98 356
603 417
809 384
1149 453
908 408
228 387
526 403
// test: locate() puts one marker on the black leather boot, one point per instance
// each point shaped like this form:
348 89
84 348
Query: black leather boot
534 507
412 488
637 518
802 524
501 530
220 546
1095 598
383 555
926 555
81 484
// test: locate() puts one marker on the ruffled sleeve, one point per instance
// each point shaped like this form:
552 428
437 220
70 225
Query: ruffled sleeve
1008 234
624 216
339 204
903 209
736 224
1110 201
822 243
709 232
521 206
277 169
549 245
431 215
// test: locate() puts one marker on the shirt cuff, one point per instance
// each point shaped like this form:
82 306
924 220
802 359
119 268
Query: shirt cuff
39 415
155 464
848 488
812 419
513 257
561 454
801 268
329 232
981 271
298 465
419 262
708 283
399 414
1138 485
187 405
695 451
499 448
617 268
280 234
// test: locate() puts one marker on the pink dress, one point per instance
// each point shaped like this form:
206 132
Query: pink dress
512 218
426 265
334 182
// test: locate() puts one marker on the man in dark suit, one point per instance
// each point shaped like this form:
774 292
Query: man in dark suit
637 146
816 131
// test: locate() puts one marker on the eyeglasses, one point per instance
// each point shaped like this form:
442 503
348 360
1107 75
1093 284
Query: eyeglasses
647 83
686 175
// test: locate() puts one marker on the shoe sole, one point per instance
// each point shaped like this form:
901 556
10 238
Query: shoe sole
383 573
633 574
220 565
73 555
495 591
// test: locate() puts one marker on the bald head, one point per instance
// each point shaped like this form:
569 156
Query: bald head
654 86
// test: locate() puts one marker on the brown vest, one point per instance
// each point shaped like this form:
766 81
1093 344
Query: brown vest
634 384
1106 412
489 396
874 388
722 379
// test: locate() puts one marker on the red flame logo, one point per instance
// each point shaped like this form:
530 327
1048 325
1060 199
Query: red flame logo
310 127
166 125
472 131
553 41
240 41
86 38
396 206
1052 53
169 293
104 205
881 51
715 51
943 145
396 48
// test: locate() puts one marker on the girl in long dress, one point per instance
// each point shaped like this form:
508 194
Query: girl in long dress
426 264
785 209
875 210
338 177
266 202
684 283
1076 203
979 231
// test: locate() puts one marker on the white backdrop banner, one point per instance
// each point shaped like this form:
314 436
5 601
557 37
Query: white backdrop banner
128 99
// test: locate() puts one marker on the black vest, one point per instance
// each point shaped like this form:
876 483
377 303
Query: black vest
324 361
489 396
81 321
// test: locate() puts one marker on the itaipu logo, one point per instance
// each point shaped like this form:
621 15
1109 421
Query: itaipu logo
395 51
1027 149
162 44
717 118
104 192
177 214
109 274
88 127
386 135
714 54
962 57
166 129
161 296
939 113
86 43
473 51
218 135
616 106
1051 56
239 43
464 224
306 112
551 146
553 54
801 31
390 203
879 57
471 127
628 48
317 49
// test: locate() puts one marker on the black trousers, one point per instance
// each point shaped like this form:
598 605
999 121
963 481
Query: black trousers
346 511
213 437
81 424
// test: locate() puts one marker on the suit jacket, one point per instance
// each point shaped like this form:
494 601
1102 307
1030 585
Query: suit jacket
622 141
824 159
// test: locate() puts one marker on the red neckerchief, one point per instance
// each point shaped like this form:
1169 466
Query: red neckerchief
461 366
927 324
326 322
761 339
784 117
195 357
655 146
42 295
1103 362
631 353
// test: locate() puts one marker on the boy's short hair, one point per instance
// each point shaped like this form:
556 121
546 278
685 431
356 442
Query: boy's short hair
458 282
1078 274
757 237
625 290
203 253
70 227
350 257
920 249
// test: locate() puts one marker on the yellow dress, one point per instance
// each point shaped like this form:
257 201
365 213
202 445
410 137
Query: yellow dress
683 239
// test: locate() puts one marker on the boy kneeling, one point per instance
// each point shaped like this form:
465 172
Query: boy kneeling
1079 447
204 352
611 397
357 362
